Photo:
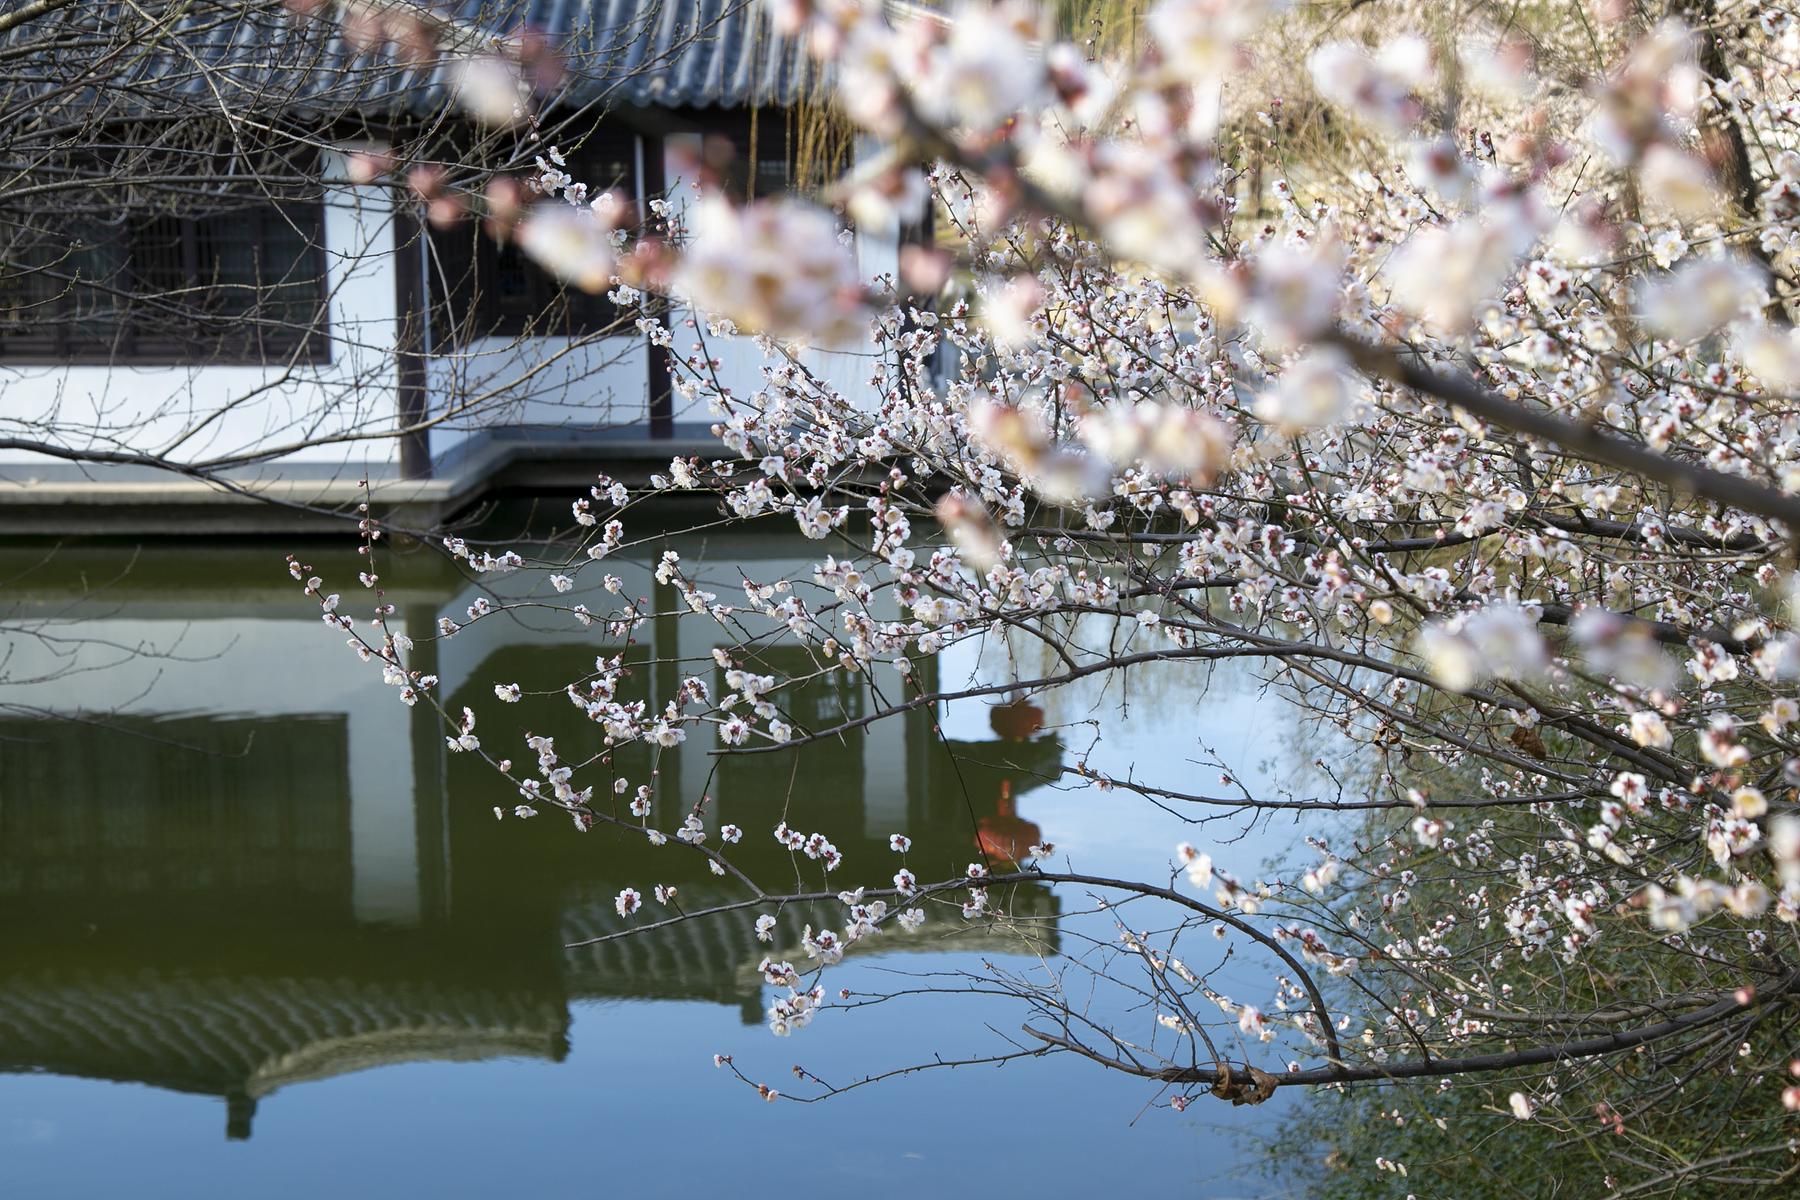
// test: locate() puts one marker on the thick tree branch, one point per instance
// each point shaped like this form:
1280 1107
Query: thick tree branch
1684 477
30 12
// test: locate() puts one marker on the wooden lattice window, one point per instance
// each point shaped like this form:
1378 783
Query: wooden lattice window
239 283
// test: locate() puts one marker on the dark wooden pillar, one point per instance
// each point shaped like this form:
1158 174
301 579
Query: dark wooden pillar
661 391
412 312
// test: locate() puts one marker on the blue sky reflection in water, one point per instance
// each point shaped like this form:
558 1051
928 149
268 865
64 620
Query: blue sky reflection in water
264 937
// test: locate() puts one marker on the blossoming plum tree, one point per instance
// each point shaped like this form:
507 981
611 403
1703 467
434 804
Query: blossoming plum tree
1484 450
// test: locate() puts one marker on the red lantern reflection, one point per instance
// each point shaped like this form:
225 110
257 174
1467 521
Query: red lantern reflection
1016 722
1006 837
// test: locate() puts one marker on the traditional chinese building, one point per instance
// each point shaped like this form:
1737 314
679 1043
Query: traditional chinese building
319 333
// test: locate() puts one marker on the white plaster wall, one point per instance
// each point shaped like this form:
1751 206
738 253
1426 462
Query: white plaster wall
886 768
579 384
196 413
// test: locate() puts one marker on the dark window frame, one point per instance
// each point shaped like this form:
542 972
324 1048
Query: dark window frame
482 288
178 334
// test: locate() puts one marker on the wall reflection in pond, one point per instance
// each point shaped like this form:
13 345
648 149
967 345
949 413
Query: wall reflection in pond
238 863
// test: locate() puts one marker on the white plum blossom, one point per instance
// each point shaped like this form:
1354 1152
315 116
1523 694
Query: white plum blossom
1199 866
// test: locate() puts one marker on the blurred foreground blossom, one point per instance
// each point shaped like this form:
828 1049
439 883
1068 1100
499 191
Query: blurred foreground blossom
1496 641
775 267
491 89
1701 296
572 243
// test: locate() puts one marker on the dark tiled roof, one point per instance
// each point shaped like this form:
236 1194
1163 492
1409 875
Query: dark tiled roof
672 53
255 54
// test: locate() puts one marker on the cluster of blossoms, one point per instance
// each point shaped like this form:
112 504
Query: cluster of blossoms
815 846
1482 449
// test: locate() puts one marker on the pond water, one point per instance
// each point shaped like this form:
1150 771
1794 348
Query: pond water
263 936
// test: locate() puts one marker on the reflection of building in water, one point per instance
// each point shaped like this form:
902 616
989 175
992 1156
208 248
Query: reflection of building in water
178 904
242 1037
268 871
158 808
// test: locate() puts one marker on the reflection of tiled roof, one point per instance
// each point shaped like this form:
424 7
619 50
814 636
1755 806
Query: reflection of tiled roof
1026 926
714 957
244 1038
651 53
698 959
